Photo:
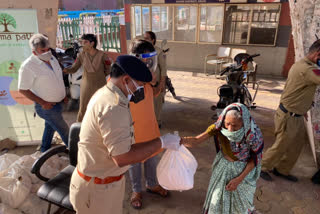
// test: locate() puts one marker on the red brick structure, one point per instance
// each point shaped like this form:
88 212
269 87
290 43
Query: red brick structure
290 58
285 20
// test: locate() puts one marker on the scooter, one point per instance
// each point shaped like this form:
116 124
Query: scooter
235 90
169 86
66 59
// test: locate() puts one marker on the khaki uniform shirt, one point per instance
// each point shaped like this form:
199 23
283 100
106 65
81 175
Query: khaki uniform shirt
96 68
162 64
300 87
106 131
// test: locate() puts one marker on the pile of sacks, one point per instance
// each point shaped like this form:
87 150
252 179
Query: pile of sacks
18 186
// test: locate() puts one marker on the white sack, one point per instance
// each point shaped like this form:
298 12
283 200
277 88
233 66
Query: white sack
15 185
5 209
6 160
34 205
49 169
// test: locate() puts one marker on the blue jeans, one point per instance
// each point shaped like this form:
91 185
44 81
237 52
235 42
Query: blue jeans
150 174
53 122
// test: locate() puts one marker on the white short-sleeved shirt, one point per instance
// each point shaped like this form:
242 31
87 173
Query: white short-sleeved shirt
45 82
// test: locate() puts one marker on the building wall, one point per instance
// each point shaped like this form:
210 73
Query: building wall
47 12
190 57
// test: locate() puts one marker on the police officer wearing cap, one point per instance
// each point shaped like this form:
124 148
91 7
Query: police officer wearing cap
295 101
106 146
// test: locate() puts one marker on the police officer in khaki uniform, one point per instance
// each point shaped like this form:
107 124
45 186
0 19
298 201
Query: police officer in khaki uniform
161 73
290 132
106 146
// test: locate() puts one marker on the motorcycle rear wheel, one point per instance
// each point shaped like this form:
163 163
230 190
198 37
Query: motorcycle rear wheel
247 99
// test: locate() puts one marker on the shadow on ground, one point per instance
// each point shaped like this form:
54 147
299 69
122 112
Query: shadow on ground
190 114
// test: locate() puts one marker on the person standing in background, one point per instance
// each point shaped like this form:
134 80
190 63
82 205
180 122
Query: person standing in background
96 66
161 74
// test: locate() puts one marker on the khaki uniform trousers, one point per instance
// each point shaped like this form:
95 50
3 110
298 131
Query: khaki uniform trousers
290 135
90 198
158 103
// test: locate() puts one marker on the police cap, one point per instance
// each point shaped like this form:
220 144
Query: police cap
134 67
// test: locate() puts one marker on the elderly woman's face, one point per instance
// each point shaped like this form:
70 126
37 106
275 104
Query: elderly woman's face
232 123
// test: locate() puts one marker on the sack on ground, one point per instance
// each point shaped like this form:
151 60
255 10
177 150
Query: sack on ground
34 205
26 162
15 185
6 160
49 169
5 209
36 186
176 169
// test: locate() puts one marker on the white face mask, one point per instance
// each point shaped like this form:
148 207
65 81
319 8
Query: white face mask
45 56
130 93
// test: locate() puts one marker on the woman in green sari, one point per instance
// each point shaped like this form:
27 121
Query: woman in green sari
236 168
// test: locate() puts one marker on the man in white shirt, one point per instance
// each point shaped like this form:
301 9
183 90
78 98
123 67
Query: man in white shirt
40 80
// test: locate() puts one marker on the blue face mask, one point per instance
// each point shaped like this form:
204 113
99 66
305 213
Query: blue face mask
235 136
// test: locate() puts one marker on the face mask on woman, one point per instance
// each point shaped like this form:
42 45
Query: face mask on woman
235 136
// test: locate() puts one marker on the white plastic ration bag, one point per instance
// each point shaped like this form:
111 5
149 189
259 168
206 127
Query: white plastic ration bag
176 169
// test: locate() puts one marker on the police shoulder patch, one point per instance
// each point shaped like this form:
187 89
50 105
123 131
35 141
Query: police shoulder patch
316 72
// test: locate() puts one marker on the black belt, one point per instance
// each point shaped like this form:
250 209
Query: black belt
286 111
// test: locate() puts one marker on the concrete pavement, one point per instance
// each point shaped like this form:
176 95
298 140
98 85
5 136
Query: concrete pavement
190 114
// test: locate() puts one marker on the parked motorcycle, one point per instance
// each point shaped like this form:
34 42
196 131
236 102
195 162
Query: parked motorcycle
169 86
72 82
235 90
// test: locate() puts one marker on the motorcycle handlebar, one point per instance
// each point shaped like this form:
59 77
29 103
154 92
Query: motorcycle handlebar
255 55
250 58
166 50
237 68
225 70
232 68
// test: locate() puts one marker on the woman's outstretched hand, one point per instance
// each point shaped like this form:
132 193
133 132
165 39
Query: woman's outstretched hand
184 141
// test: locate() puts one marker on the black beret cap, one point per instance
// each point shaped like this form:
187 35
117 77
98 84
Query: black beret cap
134 67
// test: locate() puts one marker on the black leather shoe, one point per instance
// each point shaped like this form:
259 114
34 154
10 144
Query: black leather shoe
287 177
316 178
265 176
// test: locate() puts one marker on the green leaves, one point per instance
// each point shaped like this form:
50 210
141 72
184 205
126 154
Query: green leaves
6 20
